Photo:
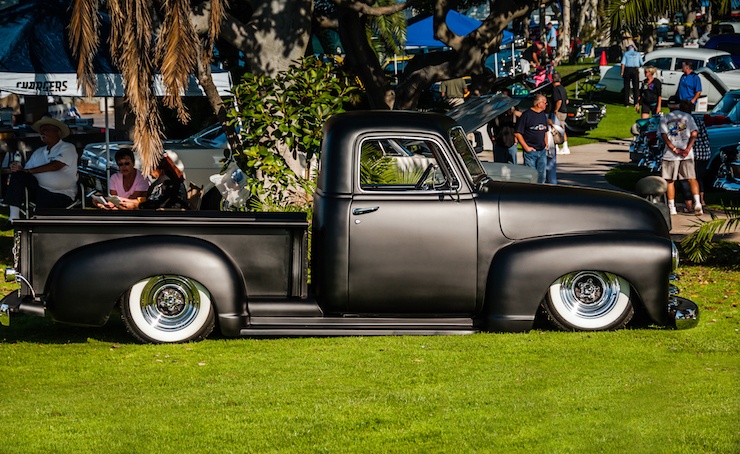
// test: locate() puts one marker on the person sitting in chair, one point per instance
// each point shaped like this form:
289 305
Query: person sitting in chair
50 175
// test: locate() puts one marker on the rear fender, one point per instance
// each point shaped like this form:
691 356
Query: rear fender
522 272
85 284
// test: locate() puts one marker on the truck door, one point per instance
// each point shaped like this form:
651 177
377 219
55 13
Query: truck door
412 233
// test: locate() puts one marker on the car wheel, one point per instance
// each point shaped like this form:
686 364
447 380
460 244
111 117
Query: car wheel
589 301
168 309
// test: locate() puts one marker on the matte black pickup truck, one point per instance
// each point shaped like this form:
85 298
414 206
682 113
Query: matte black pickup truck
421 242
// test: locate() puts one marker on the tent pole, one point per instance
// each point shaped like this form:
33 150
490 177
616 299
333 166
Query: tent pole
107 149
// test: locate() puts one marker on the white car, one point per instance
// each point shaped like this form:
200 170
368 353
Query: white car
199 156
715 67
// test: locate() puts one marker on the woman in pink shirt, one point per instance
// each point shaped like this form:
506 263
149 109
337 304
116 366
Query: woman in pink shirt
128 183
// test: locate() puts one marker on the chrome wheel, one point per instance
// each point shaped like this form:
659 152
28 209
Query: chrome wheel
589 301
165 309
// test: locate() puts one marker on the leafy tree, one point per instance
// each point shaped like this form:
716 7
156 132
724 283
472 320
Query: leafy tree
281 126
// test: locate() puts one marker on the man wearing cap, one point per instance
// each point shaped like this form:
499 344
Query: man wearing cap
631 62
50 175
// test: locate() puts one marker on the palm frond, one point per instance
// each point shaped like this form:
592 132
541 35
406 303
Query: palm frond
176 52
131 41
83 35
218 12
698 245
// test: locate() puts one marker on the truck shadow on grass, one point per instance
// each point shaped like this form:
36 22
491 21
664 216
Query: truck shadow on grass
43 330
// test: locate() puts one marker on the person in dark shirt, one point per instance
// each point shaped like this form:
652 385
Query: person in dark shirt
530 57
559 106
501 130
650 94
531 131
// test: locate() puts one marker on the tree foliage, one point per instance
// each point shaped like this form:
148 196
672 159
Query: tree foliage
698 245
281 126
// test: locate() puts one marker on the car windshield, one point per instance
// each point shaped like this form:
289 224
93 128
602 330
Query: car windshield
462 146
721 63
728 106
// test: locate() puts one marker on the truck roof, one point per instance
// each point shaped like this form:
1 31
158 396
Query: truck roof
343 131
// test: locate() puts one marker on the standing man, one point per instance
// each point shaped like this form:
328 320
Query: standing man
689 87
631 62
552 40
50 175
501 130
454 91
531 130
530 57
679 133
559 106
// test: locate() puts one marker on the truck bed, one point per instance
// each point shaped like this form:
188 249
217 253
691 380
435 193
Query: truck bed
269 248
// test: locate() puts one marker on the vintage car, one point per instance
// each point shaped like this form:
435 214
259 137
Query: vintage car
199 156
715 67
583 115
728 173
453 252
723 129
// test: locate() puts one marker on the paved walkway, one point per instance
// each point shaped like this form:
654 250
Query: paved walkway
586 166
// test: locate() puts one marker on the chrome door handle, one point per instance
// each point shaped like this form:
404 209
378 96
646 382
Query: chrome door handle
358 211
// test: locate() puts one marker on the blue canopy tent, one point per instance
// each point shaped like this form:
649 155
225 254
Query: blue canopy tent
421 33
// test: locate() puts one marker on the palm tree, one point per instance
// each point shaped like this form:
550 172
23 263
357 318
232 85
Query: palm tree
174 53
698 245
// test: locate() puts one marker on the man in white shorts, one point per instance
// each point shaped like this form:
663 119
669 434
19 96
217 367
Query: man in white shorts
679 132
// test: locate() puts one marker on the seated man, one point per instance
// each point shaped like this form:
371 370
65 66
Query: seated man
50 175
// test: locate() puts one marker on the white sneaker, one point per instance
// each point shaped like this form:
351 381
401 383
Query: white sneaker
698 209
673 210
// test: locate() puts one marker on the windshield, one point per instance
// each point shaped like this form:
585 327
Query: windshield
462 146
721 63
726 105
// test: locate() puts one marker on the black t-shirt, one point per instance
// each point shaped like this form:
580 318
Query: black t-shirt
533 128
529 52
650 92
502 128
559 94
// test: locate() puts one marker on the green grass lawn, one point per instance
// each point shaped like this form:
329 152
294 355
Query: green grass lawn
641 390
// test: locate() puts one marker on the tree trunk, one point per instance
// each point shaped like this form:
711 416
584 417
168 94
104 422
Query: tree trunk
206 81
276 35
564 32
362 59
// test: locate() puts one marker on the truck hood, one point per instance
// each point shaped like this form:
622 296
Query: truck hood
477 112
530 210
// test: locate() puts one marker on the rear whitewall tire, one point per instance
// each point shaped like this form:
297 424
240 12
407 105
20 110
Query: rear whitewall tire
168 309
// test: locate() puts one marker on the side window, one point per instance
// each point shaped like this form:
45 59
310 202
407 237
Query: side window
402 164
697 63
660 63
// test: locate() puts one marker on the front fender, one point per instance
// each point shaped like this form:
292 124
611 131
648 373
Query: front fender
85 284
522 272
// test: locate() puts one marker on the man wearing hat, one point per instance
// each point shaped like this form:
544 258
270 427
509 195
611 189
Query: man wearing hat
50 175
631 62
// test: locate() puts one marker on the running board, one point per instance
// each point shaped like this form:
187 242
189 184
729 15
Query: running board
357 326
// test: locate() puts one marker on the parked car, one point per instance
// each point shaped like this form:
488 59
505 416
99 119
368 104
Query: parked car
728 43
583 115
723 129
728 173
715 67
199 156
